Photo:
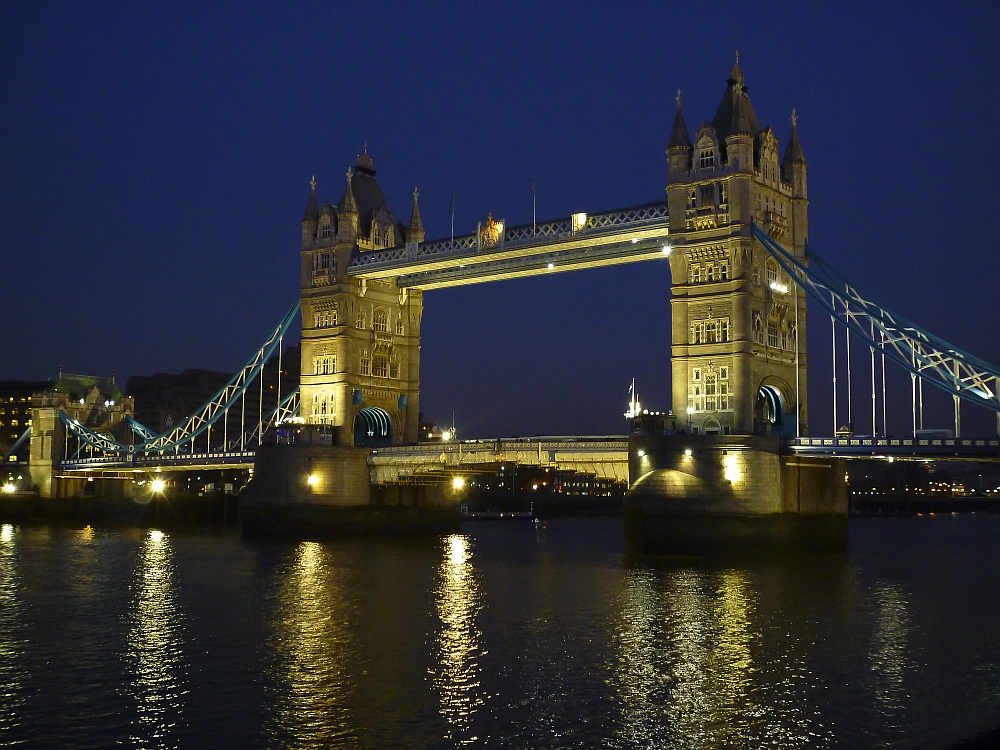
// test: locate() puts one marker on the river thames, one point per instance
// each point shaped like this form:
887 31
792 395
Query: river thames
508 635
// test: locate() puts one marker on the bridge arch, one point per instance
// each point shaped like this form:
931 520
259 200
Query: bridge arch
373 428
774 408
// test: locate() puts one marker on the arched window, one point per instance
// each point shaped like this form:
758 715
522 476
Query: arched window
772 272
706 156
380 366
380 320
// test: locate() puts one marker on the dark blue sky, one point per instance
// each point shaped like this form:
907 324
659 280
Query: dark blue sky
155 161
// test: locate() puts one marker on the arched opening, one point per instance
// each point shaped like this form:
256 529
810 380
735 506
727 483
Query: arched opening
372 428
712 426
771 415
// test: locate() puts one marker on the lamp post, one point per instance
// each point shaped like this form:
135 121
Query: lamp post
691 420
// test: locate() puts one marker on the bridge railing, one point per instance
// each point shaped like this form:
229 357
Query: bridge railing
915 445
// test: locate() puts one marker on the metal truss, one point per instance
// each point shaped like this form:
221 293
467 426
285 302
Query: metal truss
203 418
916 350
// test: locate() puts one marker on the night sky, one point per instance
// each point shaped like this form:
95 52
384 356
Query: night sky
155 161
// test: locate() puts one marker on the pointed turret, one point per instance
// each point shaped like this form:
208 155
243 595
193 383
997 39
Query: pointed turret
347 209
679 148
793 152
415 232
311 217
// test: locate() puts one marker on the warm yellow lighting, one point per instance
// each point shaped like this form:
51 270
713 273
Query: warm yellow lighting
312 480
458 482
635 240
690 410
666 249
687 451
156 535
158 485
640 453
730 468
446 435
9 487
551 266
579 221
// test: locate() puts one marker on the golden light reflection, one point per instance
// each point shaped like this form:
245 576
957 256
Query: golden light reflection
686 666
153 653
87 533
13 642
313 636
888 651
457 678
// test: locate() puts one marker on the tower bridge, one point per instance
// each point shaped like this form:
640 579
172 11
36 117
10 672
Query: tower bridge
733 229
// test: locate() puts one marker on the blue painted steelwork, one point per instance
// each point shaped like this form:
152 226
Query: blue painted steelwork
202 419
911 446
916 350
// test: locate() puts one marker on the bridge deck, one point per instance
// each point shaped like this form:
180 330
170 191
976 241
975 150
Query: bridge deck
918 447
581 241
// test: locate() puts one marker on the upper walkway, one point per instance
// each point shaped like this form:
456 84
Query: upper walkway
497 252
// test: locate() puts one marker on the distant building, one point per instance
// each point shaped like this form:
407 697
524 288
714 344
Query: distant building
15 414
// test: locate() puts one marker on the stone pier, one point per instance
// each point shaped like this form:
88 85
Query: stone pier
719 494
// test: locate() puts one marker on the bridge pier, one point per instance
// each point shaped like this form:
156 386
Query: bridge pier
305 490
715 494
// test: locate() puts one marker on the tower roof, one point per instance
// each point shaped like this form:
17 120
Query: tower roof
679 137
735 113
793 152
365 193
312 209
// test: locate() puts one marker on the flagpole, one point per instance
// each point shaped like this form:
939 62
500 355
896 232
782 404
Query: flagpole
534 191
451 210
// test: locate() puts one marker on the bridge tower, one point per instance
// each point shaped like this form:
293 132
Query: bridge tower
360 338
738 359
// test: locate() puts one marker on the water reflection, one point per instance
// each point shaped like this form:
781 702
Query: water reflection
153 653
12 637
888 651
690 663
312 633
458 604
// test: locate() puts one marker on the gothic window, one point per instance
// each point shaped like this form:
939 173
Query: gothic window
723 396
325 229
772 334
758 327
711 388
724 329
399 326
792 335
724 270
360 321
711 332
376 239
697 332
380 366
326 318
394 367
723 193
324 365
711 272
692 197
695 273
707 195
366 364
756 272
380 321
772 272
696 374
706 157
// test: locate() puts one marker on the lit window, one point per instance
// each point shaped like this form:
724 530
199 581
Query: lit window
380 366
707 157
360 320
380 321
366 364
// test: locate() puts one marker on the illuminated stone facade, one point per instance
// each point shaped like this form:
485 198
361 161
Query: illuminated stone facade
360 367
738 363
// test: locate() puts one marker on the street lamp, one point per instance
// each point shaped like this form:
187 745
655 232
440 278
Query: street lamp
691 419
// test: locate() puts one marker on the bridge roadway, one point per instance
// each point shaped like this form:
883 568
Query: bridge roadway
580 241
603 456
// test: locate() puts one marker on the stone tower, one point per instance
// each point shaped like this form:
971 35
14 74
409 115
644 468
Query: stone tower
738 361
360 340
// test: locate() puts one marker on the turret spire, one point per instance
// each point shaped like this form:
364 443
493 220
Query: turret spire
793 152
350 205
679 137
312 210
415 232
